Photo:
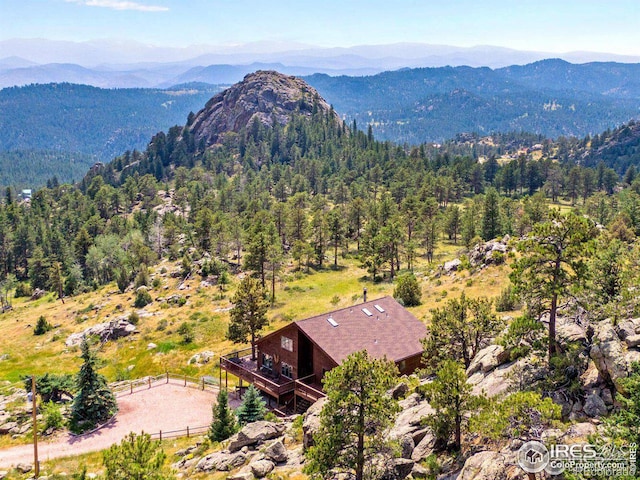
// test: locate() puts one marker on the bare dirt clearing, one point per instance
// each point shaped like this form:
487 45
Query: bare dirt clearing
163 407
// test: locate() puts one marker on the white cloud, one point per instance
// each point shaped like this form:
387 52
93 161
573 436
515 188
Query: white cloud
120 5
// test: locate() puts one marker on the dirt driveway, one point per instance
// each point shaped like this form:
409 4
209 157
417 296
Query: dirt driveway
163 407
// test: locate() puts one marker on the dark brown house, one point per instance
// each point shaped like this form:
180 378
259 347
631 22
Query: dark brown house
292 360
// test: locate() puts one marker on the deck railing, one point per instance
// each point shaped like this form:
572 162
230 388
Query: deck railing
231 363
305 390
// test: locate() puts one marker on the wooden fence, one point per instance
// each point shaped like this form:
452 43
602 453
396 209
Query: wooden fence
131 386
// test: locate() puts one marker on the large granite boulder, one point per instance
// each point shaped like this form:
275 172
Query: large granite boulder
414 409
276 452
491 466
311 422
112 330
488 359
608 354
254 433
261 468
221 461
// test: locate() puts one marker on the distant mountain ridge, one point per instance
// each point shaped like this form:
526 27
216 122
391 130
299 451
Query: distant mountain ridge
129 64
551 97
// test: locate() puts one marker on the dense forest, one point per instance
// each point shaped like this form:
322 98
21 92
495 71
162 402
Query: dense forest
56 126
552 98
309 190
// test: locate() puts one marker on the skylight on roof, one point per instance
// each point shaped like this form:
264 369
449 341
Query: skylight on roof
379 308
367 312
332 322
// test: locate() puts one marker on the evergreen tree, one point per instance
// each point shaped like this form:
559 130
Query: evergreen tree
408 290
224 422
249 313
450 396
459 330
252 408
491 215
137 457
355 418
94 403
552 265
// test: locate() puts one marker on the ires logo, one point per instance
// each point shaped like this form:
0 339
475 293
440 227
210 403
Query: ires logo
604 460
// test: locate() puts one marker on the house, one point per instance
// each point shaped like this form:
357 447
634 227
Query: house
291 361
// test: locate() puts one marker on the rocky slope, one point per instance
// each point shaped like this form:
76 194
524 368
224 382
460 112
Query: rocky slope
267 96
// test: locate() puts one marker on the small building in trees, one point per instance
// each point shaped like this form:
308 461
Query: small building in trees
291 361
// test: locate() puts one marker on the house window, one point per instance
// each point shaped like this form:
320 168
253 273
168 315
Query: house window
286 343
287 370
267 361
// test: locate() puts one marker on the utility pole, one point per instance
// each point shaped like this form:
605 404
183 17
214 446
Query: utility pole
35 427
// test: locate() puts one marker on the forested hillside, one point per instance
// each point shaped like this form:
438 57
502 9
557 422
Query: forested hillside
63 129
284 200
550 97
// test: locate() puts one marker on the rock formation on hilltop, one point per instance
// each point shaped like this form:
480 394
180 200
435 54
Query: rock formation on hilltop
264 95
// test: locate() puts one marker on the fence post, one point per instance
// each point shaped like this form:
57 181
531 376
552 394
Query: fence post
202 383
185 380
160 435
167 377
149 382
131 385
187 432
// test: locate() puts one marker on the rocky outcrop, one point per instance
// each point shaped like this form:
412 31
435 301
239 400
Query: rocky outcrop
311 423
488 359
409 421
112 330
492 252
255 433
261 468
265 96
612 357
491 466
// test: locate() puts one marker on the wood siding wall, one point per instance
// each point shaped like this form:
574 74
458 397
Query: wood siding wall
271 345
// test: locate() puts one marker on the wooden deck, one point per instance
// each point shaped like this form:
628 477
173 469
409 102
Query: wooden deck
240 364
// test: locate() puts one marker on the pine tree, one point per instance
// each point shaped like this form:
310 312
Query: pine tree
450 396
224 423
249 313
553 264
491 215
137 457
355 418
252 408
94 402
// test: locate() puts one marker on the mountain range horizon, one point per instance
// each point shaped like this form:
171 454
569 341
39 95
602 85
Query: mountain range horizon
132 64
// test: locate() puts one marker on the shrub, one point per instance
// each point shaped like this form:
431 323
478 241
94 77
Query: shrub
162 325
134 318
23 290
143 298
142 278
507 301
186 330
137 456
408 290
53 418
122 280
156 282
42 326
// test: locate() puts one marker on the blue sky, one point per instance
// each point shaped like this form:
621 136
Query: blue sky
542 25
